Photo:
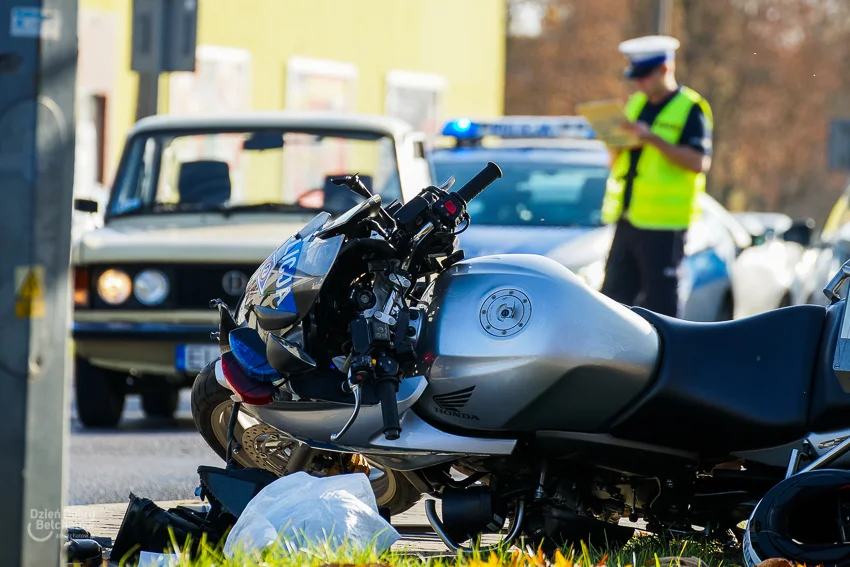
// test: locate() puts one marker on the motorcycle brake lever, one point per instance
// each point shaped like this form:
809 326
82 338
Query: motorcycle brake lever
355 389
448 184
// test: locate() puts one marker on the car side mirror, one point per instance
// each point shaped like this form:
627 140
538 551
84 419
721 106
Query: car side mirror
800 232
86 205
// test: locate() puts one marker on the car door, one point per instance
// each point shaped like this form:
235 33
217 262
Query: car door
826 255
710 250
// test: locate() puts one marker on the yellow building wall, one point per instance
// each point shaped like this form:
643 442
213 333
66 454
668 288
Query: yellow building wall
462 40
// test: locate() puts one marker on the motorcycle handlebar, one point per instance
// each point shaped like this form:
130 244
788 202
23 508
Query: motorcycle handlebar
389 408
480 182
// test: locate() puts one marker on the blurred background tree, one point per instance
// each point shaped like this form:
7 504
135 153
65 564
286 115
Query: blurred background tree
773 71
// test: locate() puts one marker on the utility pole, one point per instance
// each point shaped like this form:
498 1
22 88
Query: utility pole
164 39
663 16
38 63
148 37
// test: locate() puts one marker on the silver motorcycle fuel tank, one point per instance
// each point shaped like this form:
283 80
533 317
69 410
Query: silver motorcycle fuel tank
520 343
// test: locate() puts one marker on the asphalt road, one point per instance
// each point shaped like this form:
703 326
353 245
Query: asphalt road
153 459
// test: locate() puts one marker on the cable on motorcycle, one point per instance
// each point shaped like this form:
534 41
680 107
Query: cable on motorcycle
466 225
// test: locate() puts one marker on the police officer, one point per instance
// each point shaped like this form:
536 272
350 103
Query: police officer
652 188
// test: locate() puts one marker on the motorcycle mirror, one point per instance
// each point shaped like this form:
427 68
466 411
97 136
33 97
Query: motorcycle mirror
287 357
273 320
354 183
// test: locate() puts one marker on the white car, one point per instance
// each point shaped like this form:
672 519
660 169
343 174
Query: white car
84 221
198 203
764 274
828 251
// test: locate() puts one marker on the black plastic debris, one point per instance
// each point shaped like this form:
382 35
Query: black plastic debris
84 552
77 533
233 488
147 527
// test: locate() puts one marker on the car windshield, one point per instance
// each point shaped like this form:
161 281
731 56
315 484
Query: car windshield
251 170
537 192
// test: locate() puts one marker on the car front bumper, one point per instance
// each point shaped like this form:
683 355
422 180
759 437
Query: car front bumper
165 348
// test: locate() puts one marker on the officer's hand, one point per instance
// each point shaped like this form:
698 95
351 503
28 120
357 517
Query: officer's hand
639 129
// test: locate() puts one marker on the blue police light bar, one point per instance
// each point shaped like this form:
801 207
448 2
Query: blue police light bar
520 127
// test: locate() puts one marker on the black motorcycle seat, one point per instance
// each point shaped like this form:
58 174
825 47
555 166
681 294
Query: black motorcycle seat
729 386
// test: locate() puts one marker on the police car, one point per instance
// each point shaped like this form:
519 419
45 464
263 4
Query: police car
549 202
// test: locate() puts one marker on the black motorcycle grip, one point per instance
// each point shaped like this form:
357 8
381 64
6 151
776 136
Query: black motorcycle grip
389 409
480 182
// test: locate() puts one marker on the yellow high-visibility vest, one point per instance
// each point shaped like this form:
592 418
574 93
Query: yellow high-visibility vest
664 195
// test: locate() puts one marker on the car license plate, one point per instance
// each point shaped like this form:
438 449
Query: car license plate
195 357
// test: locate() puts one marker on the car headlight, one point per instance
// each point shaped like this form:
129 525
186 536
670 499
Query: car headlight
150 287
114 286
593 274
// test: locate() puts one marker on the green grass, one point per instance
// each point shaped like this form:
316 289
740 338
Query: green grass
640 552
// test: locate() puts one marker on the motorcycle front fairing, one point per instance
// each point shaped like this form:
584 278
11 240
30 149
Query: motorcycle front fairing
285 286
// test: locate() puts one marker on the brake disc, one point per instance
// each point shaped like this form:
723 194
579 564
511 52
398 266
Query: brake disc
267 448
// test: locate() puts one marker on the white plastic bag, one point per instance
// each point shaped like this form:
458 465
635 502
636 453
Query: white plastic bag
305 510
149 559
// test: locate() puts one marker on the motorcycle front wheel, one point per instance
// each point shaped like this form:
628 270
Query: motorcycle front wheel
264 447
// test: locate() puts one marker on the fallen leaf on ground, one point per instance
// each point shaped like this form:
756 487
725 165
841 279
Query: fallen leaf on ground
680 562
775 562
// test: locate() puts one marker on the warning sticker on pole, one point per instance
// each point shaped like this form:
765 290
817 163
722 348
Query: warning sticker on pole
29 292
27 21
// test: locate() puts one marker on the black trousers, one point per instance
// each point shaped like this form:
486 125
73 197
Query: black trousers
643 264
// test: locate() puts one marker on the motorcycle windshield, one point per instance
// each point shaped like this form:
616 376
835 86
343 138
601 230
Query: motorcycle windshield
292 276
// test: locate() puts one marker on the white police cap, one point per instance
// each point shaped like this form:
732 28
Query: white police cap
648 52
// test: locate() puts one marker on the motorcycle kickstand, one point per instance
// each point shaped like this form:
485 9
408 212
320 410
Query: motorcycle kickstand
233 446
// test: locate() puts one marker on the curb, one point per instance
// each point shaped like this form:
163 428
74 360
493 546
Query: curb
104 520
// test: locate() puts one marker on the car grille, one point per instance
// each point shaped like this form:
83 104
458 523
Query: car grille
197 285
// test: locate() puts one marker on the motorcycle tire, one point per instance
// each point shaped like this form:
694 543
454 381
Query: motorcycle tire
392 489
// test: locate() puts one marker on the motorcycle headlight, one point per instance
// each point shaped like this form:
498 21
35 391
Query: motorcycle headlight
593 274
114 286
150 287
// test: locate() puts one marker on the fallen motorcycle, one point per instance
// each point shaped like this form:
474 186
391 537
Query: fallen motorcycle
509 389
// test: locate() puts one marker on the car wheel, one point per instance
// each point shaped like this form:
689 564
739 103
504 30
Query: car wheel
160 399
99 394
263 446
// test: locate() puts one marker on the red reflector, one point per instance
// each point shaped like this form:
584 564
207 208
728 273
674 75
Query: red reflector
450 207
252 392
